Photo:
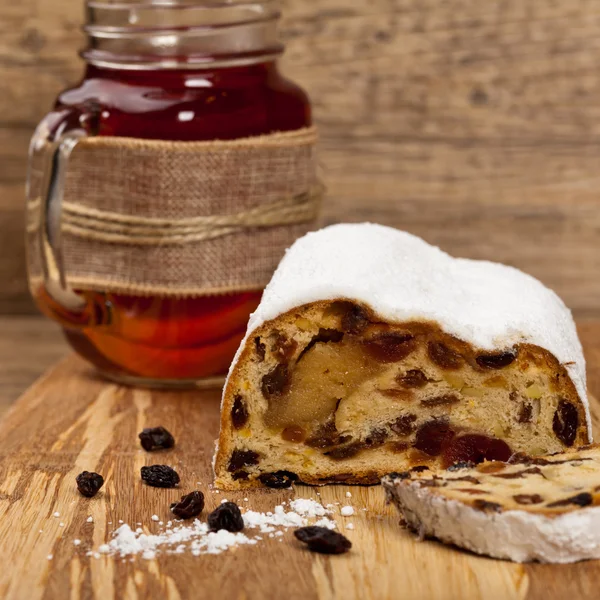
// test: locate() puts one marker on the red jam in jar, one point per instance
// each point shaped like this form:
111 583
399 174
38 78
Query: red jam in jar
203 84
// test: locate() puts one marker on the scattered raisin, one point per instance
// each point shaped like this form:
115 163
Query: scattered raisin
525 413
89 484
345 451
404 424
161 476
240 476
242 458
473 491
278 480
226 516
583 499
189 506
276 382
496 361
355 319
528 499
487 506
415 378
443 356
443 400
156 438
431 436
475 448
323 540
390 347
294 433
260 349
401 476
324 336
565 422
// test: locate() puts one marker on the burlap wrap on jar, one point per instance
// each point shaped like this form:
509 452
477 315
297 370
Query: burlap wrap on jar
145 217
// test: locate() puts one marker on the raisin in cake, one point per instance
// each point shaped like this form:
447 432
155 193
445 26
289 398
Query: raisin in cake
373 351
545 509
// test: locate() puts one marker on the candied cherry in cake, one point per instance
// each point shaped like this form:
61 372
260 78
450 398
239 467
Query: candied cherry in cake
475 448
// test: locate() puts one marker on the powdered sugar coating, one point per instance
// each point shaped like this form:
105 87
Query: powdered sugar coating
516 535
402 277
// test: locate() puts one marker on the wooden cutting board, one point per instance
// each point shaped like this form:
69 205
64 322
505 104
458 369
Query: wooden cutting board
71 421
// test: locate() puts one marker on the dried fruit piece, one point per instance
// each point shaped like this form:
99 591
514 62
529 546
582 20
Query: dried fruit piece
89 483
463 464
496 361
565 422
260 348
443 356
432 435
278 480
240 475
528 499
283 347
226 516
239 412
355 319
473 491
419 469
520 474
156 438
345 451
475 448
525 412
242 458
397 446
294 433
390 347
376 438
404 424
415 378
487 506
326 436
583 499
443 400
276 382
323 540
189 506
161 476
324 336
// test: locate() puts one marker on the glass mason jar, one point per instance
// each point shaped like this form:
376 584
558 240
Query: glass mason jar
180 71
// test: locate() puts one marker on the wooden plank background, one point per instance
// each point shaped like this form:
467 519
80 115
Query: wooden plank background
474 124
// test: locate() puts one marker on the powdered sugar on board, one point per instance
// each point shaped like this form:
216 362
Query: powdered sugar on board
401 277
197 539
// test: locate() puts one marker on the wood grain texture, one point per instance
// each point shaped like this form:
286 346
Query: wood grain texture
70 420
473 124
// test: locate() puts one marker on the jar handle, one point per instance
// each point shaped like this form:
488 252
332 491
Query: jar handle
73 309
53 184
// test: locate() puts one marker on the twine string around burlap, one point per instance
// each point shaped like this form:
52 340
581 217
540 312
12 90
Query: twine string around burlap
111 227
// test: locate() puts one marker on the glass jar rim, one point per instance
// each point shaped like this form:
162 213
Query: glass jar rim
181 33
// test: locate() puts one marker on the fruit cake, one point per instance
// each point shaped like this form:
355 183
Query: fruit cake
545 509
372 351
